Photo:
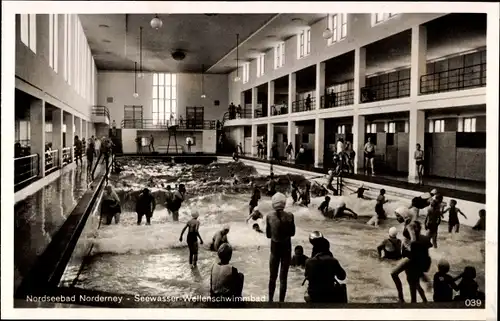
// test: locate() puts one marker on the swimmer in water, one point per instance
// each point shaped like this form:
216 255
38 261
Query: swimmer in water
481 223
360 191
391 246
342 211
271 185
421 202
453 221
256 228
295 191
255 215
299 259
219 238
305 196
379 210
193 226
432 221
254 200
323 207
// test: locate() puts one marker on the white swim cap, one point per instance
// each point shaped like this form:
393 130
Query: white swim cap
278 201
256 208
330 172
393 232
434 191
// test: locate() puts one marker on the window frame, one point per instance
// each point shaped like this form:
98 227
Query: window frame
28 31
304 43
246 72
279 55
336 23
378 18
161 116
261 64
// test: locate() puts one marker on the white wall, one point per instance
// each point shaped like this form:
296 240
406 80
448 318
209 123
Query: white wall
120 86
128 140
209 141
36 76
360 33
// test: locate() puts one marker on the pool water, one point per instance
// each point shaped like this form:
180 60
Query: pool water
150 260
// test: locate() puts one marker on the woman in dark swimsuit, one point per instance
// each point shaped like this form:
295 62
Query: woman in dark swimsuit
419 159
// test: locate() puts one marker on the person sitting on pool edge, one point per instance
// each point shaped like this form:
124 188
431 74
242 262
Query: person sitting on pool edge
193 226
225 280
299 259
145 206
391 246
322 272
219 238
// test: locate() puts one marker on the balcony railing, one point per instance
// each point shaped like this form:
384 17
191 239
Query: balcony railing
384 91
181 124
454 79
51 161
302 105
343 98
26 168
279 110
66 156
243 114
100 111
260 113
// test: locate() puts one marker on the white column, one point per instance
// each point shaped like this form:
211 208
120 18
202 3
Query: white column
254 101
69 120
319 142
320 83
254 140
270 139
416 136
359 73
57 133
418 58
270 96
242 103
292 90
358 144
37 133
84 129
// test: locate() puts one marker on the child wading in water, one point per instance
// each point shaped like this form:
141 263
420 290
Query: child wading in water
453 221
305 196
193 225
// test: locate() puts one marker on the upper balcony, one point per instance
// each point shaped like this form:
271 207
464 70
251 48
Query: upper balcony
100 115
454 79
153 124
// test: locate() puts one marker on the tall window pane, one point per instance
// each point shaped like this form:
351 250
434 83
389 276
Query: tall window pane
25 24
32 32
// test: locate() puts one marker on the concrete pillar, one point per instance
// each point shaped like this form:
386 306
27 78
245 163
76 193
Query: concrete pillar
69 120
270 139
242 103
292 90
84 129
254 101
78 127
57 133
359 73
254 140
358 144
37 135
270 96
319 142
416 136
320 82
418 58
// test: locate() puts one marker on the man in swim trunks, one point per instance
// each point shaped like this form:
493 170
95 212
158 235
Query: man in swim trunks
193 226
280 228
419 161
432 221
360 191
369 155
341 209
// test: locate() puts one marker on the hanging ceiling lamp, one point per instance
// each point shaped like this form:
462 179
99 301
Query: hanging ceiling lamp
136 94
156 23
202 82
141 74
237 78
327 34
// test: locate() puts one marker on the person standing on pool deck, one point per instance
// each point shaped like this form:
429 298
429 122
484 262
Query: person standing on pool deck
151 143
177 199
280 228
369 155
193 225
419 160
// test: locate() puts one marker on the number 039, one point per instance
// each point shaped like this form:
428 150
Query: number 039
473 303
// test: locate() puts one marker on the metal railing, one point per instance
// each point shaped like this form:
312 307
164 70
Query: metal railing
51 161
258 113
301 105
23 142
181 124
454 79
101 111
279 110
243 114
342 98
26 168
384 91
66 156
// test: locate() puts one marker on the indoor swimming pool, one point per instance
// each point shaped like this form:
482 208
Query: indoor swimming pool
150 260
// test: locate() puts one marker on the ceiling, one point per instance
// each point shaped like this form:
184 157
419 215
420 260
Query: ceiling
207 40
